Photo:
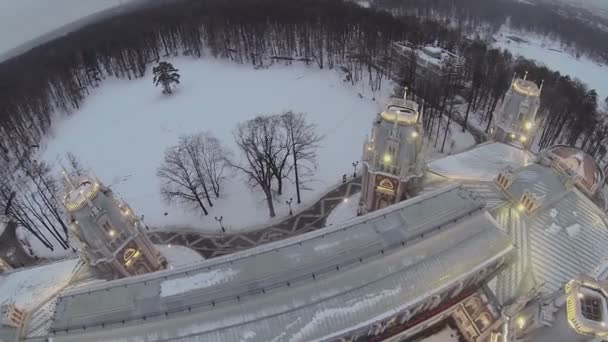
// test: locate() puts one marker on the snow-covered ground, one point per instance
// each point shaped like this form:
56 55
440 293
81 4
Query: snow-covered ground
456 141
123 128
553 55
179 255
25 288
446 335
24 20
344 211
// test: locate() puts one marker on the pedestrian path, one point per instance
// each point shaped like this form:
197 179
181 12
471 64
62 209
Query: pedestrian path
211 246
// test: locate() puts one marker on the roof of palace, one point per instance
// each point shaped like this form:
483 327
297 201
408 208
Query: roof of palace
351 275
566 236
304 288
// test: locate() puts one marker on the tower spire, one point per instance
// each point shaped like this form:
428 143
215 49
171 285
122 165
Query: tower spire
526 75
540 90
405 93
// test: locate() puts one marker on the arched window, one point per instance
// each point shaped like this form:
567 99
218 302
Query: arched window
386 184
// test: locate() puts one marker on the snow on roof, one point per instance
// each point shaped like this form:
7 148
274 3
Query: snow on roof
481 163
296 304
433 49
556 244
538 179
26 287
175 286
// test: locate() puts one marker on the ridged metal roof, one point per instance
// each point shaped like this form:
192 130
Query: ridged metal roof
304 288
566 237
481 163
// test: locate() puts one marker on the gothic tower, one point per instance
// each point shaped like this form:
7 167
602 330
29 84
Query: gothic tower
515 118
393 164
107 231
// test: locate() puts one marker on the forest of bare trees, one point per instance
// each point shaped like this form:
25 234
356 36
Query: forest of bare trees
55 78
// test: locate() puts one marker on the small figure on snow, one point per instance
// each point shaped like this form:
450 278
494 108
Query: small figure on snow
165 74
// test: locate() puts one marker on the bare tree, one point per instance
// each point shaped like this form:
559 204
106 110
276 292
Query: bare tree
74 165
303 139
278 157
29 198
257 139
179 180
214 162
209 159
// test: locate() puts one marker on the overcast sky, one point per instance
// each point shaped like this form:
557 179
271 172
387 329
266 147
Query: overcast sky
23 20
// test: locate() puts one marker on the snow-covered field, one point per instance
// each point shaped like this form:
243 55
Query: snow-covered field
178 255
29 286
123 128
552 54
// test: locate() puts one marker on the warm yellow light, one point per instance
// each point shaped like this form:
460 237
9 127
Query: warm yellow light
414 134
579 295
369 148
523 138
346 200
512 136
387 158
528 125
112 233
521 322
520 207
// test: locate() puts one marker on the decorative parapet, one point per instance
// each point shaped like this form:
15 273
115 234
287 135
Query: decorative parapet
86 191
586 306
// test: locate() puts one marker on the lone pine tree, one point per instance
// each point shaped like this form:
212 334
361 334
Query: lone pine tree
165 74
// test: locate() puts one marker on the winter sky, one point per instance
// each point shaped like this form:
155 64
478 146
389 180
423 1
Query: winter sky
24 20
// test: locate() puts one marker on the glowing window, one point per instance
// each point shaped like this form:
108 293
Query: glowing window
386 185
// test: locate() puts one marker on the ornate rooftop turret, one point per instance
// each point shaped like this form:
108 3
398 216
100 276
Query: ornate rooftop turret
515 118
107 232
392 157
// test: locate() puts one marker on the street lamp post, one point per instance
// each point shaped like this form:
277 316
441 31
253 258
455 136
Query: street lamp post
355 168
289 205
220 219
